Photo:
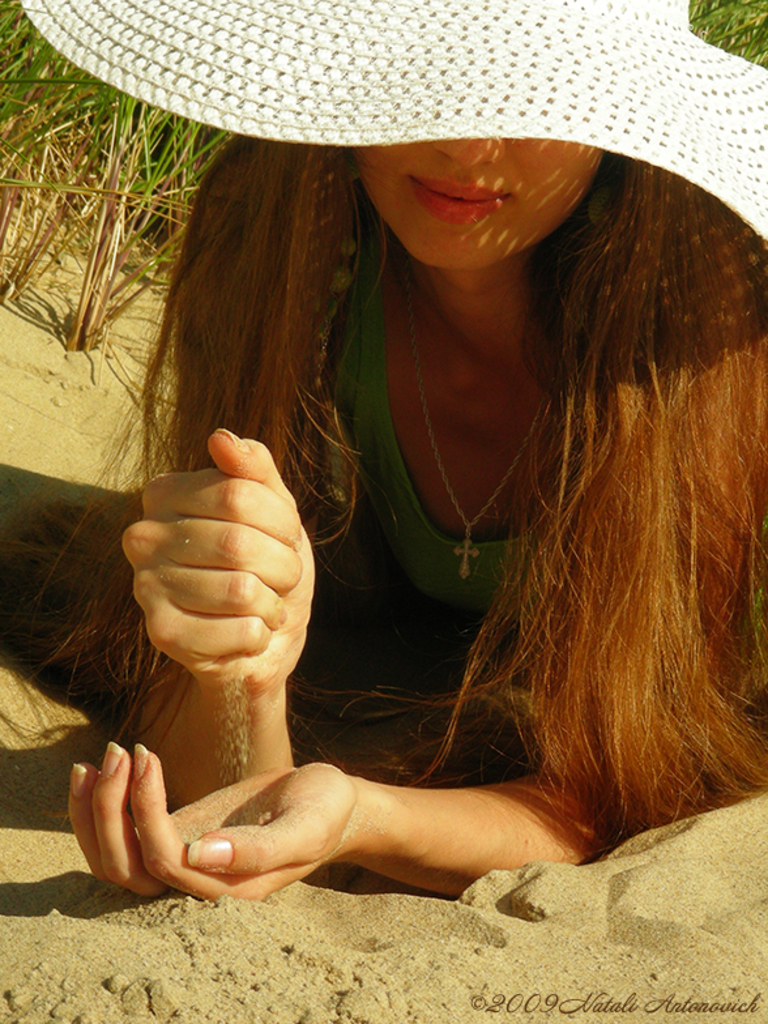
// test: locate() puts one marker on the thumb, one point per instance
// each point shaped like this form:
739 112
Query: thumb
253 849
247 459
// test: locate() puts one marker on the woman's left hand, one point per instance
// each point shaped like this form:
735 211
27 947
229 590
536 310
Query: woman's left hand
251 838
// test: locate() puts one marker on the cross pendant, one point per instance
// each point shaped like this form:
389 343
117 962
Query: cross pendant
464 550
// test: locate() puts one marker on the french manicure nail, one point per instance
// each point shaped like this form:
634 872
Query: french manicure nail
139 760
210 853
77 780
112 759
236 441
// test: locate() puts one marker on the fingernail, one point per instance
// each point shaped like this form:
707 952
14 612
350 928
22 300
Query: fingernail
210 853
139 760
77 780
112 759
236 441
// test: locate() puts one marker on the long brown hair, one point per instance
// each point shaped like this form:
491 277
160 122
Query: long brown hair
239 345
638 659
629 647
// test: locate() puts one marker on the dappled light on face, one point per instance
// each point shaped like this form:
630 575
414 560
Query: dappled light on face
470 153
560 188
546 183
505 242
465 204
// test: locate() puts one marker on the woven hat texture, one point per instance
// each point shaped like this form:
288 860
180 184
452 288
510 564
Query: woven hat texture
623 76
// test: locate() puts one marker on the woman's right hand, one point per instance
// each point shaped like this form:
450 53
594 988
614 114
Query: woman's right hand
223 568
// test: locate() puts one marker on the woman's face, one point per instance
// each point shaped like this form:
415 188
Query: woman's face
468 204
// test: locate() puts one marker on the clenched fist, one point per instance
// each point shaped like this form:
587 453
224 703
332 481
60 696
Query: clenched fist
223 568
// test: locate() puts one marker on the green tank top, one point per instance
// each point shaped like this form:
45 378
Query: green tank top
431 559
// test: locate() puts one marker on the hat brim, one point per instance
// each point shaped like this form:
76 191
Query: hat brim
381 72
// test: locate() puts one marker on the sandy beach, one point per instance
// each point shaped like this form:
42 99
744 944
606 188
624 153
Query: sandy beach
673 925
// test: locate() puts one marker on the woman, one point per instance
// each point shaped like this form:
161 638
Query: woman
548 374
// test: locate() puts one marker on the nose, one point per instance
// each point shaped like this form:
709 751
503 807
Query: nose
471 152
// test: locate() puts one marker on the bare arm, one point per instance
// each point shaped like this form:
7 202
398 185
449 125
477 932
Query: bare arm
223 570
209 737
262 833
444 839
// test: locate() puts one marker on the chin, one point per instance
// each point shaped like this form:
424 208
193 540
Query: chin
469 248
458 258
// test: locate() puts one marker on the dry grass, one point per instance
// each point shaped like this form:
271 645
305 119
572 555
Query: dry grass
85 167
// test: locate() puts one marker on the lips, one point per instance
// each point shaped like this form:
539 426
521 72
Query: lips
454 203
454 190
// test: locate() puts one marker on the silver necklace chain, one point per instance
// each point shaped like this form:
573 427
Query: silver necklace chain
465 550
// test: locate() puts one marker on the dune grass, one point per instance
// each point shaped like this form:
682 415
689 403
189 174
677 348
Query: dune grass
84 166
740 26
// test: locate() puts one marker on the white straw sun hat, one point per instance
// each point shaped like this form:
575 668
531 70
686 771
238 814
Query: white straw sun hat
623 76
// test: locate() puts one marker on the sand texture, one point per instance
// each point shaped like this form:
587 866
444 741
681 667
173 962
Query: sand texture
672 926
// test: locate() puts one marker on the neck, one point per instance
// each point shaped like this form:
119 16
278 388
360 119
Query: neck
469 330
484 310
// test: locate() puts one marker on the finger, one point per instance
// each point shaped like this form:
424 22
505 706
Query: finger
81 782
165 854
216 592
293 839
191 638
119 849
246 458
212 544
211 494
163 851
